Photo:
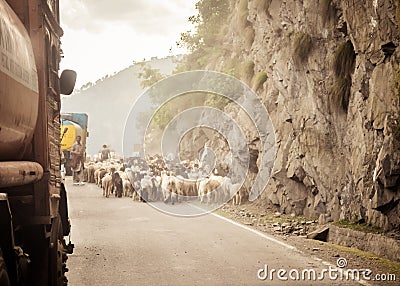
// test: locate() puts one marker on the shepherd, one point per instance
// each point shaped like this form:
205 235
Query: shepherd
77 161
104 153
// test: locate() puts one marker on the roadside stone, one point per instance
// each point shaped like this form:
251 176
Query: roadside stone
319 234
289 229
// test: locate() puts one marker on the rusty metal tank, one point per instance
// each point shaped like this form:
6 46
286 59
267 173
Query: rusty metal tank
69 131
18 86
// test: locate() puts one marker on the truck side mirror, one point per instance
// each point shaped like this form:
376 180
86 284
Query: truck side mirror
67 81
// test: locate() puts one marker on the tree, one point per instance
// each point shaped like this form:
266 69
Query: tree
148 75
211 18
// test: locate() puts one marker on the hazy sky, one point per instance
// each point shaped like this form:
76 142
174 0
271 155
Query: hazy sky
103 36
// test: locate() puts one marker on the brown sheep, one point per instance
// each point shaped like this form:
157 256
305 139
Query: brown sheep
107 185
208 189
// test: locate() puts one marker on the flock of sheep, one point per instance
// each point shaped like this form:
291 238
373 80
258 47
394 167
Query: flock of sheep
153 181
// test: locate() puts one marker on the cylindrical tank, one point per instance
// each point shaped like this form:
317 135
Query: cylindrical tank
18 86
69 131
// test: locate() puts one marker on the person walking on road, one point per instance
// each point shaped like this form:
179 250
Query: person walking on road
104 153
77 161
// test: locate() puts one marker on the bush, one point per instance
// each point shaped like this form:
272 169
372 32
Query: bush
327 10
398 14
343 65
344 60
247 71
217 101
259 80
301 47
243 14
249 35
341 92
397 81
230 71
395 126
359 226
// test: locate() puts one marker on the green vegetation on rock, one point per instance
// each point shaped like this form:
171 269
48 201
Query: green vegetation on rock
247 71
398 13
203 41
396 134
390 266
148 75
364 227
259 80
396 124
344 60
243 14
328 10
343 65
302 45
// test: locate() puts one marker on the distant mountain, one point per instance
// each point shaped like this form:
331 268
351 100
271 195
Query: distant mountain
108 102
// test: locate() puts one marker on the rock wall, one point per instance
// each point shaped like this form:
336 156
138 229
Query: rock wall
337 151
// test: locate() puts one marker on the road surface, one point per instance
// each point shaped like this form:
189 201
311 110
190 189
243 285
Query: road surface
121 242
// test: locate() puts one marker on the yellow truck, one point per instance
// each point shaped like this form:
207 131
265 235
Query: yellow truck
72 125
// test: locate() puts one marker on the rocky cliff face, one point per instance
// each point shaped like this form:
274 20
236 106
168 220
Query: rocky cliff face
327 72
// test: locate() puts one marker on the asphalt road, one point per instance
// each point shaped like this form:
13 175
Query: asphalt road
121 242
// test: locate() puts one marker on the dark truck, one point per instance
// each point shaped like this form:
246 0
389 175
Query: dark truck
33 202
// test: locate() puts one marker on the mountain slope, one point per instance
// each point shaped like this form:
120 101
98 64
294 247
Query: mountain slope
108 103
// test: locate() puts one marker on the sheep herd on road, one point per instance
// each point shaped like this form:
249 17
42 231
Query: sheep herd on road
152 180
